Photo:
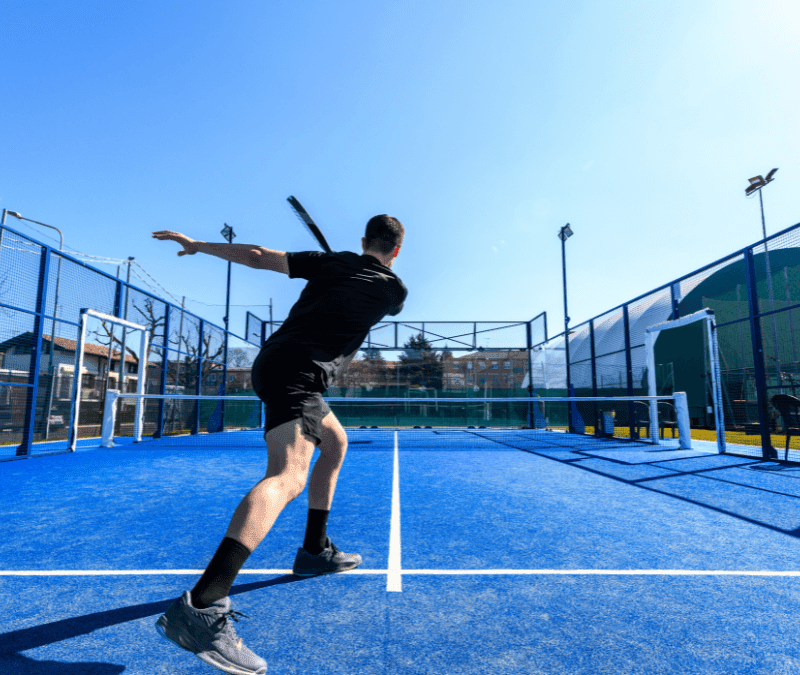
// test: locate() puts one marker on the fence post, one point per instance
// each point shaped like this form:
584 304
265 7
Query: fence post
25 447
634 430
196 425
598 427
767 451
223 389
530 375
162 387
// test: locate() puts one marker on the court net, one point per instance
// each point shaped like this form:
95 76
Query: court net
524 423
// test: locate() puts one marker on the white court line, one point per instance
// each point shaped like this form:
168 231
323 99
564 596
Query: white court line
390 572
394 581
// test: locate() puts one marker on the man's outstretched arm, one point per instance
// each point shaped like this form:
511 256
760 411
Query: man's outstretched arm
245 254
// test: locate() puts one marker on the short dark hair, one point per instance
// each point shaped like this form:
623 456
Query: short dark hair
384 233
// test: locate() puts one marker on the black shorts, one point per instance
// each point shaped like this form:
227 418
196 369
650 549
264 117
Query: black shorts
291 386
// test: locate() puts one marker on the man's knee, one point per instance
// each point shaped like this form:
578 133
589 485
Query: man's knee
288 485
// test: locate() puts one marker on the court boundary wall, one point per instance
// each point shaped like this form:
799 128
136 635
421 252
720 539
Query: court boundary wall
751 294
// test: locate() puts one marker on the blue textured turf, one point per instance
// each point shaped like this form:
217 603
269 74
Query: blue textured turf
464 625
460 510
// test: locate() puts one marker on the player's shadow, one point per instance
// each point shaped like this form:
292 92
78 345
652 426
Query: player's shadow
22 665
17 641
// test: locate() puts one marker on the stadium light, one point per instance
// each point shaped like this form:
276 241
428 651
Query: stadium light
756 185
229 235
563 234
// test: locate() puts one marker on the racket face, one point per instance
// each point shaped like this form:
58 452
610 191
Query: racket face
303 215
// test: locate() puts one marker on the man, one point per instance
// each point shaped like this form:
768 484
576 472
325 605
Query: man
345 296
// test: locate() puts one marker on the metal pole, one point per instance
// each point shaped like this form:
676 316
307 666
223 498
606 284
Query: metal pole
769 287
768 452
178 363
531 421
29 420
229 235
791 327
53 340
566 325
55 310
125 331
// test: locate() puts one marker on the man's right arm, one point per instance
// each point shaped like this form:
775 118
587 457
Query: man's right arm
257 257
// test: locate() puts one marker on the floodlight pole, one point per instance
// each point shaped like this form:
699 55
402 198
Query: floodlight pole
229 235
757 187
563 234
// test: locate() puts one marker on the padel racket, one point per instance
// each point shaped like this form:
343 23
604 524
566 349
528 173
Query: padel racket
308 221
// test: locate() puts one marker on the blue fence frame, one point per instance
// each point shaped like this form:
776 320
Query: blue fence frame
41 317
467 341
31 431
765 424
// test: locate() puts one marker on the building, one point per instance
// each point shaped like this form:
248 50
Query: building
487 369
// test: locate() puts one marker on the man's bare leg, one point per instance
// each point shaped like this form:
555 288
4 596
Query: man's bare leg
318 554
325 473
290 452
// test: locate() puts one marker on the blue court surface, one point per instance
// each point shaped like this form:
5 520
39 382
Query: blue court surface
612 558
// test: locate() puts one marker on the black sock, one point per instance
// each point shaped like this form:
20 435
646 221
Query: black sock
316 531
217 580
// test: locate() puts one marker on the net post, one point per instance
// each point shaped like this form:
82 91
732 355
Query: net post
684 428
109 418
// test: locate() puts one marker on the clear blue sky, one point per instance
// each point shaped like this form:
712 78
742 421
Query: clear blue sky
483 126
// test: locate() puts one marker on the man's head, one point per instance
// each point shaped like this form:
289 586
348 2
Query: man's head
383 238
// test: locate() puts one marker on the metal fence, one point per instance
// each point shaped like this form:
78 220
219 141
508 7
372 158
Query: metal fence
42 293
755 295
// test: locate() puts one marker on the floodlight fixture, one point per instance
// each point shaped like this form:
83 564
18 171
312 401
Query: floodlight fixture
756 185
228 233
565 232
758 182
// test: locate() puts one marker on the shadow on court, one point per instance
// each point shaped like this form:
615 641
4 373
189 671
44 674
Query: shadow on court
22 665
14 642
758 492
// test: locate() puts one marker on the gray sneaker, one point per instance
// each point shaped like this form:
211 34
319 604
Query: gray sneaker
209 634
329 561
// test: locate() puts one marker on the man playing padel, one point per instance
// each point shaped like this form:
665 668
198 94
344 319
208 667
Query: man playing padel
345 296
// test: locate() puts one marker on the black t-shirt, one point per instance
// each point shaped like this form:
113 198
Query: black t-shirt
345 296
